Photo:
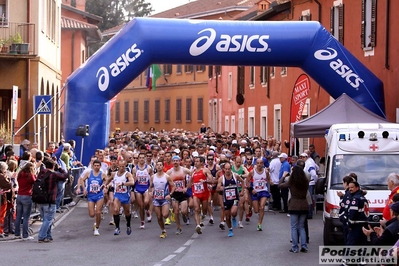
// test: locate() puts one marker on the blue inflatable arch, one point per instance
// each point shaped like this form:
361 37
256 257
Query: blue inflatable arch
145 41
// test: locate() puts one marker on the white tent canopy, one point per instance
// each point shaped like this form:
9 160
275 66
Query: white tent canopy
343 110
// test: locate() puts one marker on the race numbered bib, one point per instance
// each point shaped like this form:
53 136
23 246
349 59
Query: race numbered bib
199 187
142 180
179 185
159 194
122 189
230 193
94 188
260 184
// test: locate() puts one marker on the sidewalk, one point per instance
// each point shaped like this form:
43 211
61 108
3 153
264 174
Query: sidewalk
35 225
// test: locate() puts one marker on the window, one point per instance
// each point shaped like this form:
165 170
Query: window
272 72
3 12
167 69
337 22
157 111
188 110
188 68
117 111
369 21
146 111
178 69
200 110
264 75
218 70
126 112
167 110
200 68
210 72
178 110
230 86
240 79
283 71
135 111
306 16
252 76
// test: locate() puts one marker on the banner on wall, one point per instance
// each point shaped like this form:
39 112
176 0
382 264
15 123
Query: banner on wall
299 95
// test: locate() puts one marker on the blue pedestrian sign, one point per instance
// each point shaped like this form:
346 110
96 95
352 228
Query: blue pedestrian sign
43 104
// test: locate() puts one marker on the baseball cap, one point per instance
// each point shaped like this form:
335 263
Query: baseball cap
212 148
234 141
283 155
113 157
175 158
177 151
195 154
244 141
304 154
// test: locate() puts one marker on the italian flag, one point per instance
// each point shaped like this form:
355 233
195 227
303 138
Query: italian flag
154 72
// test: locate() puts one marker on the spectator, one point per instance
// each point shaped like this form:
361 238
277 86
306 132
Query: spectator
393 186
47 210
26 177
297 206
24 146
9 221
5 186
313 154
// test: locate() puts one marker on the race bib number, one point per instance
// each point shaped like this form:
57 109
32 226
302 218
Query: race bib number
179 185
121 189
142 180
260 185
94 188
230 193
199 187
159 194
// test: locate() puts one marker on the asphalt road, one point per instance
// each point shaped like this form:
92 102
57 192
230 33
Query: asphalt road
74 244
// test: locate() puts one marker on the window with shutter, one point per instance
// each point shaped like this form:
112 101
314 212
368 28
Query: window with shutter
240 79
252 76
210 72
337 22
178 69
369 21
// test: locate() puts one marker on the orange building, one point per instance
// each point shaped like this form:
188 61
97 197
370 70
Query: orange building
181 98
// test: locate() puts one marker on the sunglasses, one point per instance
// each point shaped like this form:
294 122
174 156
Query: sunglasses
135 157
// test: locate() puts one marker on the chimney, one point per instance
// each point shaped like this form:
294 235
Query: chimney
81 5
263 5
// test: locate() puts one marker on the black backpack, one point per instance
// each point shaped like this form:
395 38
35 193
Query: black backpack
40 190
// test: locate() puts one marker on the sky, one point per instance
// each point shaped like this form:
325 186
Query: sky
162 5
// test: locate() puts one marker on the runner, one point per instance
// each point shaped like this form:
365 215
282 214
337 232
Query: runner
214 199
141 175
258 178
94 192
189 190
241 171
121 181
179 197
159 188
199 180
228 184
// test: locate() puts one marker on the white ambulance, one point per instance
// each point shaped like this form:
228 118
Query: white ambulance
371 151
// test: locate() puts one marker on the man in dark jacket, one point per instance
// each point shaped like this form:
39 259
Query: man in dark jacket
47 210
356 216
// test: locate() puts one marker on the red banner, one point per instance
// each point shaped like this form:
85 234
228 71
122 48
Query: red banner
299 96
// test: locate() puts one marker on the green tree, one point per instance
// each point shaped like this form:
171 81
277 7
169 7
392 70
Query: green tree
116 12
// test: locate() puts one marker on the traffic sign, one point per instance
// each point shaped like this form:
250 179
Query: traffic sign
43 104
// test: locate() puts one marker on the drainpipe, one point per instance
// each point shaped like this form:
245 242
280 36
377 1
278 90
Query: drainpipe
387 21
319 9
73 51
28 92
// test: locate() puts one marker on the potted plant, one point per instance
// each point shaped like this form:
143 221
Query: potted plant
3 45
15 41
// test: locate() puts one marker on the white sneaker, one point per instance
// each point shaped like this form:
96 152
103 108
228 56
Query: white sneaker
28 238
149 218
135 215
96 232
240 224
142 226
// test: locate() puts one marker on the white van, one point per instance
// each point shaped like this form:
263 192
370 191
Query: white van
368 150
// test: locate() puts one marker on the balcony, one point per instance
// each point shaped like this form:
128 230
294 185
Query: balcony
17 39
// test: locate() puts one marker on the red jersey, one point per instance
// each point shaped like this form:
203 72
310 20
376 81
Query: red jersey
198 186
166 166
